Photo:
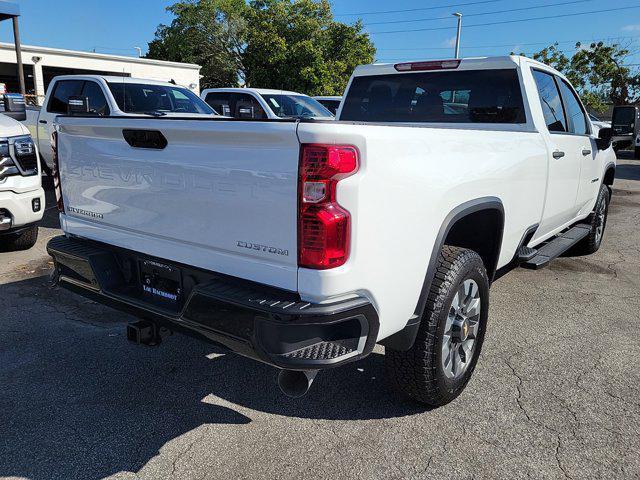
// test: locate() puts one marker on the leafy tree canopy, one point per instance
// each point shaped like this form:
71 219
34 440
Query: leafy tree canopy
286 44
597 72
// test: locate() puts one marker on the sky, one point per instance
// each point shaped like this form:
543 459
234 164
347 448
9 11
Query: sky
117 26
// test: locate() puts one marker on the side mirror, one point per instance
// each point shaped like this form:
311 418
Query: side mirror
605 135
78 105
15 106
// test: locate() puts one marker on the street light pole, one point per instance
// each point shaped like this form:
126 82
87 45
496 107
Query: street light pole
16 40
459 15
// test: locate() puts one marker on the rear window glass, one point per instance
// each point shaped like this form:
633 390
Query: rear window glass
144 98
472 96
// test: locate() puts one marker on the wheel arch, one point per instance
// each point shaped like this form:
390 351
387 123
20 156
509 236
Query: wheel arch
485 212
609 174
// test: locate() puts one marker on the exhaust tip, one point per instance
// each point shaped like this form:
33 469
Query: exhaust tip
296 383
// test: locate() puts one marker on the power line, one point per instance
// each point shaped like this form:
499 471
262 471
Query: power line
517 52
505 45
503 22
416 9
495 12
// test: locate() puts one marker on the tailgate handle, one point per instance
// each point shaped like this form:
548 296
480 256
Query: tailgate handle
145 138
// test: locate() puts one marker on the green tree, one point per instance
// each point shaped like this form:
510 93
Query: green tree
297 45
597 72
207 32
284 44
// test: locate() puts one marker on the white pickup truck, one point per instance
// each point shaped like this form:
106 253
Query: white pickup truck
110 96
21 193
262 103
303 243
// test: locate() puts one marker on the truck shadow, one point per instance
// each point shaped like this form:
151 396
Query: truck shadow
50 219
79 401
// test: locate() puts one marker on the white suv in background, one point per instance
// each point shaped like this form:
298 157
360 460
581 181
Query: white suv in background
21 193
260 103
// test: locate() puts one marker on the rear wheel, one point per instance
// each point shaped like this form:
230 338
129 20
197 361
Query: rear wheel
597 221
441 361
21 241
637 153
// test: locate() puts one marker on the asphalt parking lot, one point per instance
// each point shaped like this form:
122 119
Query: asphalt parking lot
556 393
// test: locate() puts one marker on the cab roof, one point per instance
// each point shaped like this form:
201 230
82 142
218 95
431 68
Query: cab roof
473 63
259 91
117 79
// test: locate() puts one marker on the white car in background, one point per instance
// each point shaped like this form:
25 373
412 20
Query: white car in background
596 122
110 96
21 193
261 103
332 103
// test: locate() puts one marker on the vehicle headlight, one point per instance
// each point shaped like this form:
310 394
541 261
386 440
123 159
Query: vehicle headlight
7 165
23 152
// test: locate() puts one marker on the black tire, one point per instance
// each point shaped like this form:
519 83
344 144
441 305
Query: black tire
21 241
591 243
419 372
636 153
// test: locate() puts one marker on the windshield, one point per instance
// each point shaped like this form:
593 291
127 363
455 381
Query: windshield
297 106
145 98
594 118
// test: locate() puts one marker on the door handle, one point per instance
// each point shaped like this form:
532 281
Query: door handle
145 138
42 121
586 152
558 154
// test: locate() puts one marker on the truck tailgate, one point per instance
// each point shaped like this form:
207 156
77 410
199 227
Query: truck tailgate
222 195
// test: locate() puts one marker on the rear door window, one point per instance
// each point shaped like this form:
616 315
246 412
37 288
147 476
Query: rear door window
247 106
220 102
62 90
465 96
550 101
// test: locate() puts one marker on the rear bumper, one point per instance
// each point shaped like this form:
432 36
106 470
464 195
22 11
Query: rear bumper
270 325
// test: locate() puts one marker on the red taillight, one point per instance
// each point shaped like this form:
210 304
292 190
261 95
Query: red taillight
56 172
425 66
324 227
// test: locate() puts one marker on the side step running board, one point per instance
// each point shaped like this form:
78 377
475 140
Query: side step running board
556 247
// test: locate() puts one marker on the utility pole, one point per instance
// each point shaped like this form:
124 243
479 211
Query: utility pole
16 40
459 15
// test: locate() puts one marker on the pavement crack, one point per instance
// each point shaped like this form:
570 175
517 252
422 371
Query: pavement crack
518 387
184 452
555 433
